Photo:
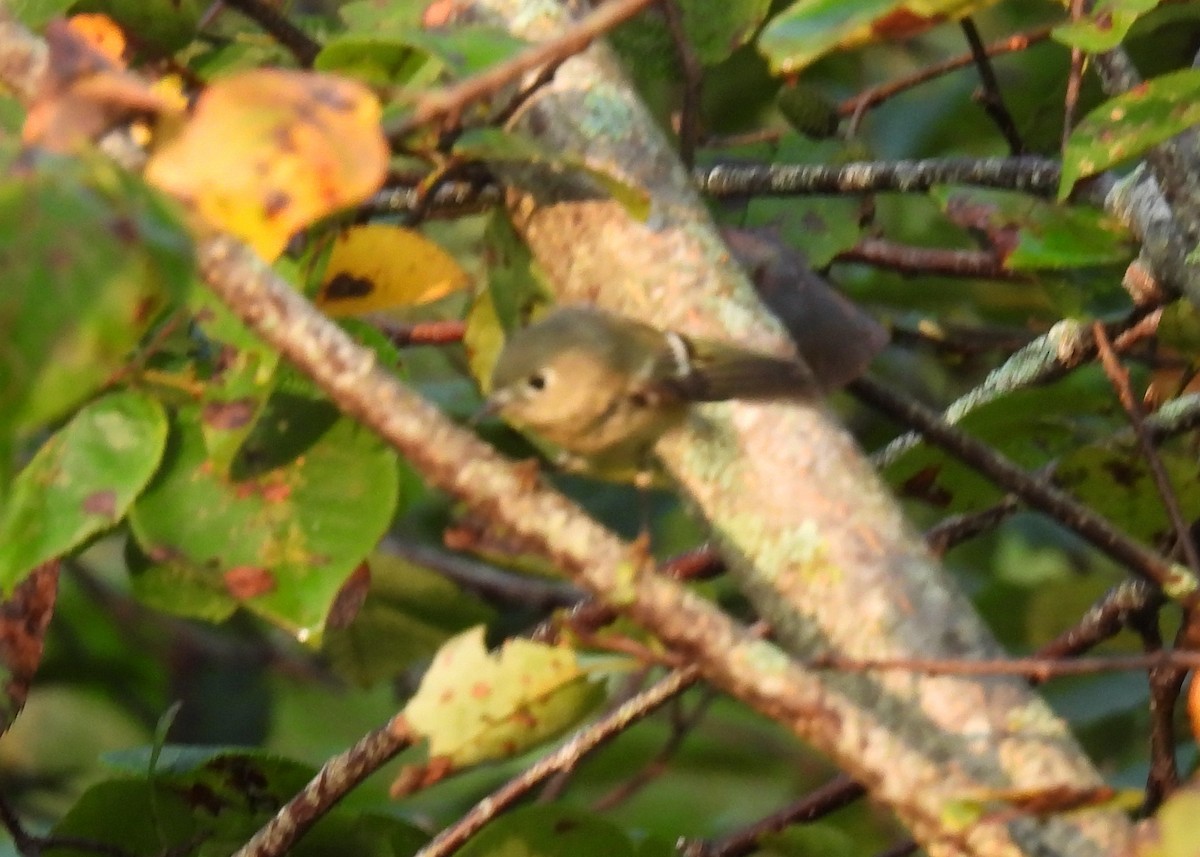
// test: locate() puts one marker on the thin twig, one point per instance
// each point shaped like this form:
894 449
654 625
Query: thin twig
1074 80
1165 682
872 97
1035 668
692 71
820 802
299 43
1119 378
564 758
1061 507
335 779
957 529
423 332
487 581
927 261
447 104
1119 608
990 96
681 726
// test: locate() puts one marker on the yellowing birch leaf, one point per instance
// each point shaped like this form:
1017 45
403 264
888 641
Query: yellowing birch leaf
267 152
379 267
473 706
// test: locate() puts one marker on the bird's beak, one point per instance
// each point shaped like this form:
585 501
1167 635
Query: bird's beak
491 406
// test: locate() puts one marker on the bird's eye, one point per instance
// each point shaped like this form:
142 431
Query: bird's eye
536 381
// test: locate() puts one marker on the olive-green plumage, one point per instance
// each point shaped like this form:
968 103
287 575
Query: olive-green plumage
602 387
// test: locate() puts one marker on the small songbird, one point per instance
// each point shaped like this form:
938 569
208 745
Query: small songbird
602 388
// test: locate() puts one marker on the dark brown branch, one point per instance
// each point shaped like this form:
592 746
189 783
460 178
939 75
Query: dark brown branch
299 43
1061 507
835 794
489 582
692 72
926 261
990 97
1137 419
1119 607
866 100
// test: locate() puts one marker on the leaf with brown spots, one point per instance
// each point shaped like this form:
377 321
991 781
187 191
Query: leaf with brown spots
268 152
81 481
378 267
473 706
23 621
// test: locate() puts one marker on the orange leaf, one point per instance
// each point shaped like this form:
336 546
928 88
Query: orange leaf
378 267
85 93
268 152
102 33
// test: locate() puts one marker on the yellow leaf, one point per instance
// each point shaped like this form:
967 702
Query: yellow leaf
473 706
378 267
267 152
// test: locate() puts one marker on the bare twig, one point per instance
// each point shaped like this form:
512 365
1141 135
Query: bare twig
1074 80
336 777
1162 483
302 46
564 758
863 101
990 96
926 261
692 71
447 104
835 794
1061 507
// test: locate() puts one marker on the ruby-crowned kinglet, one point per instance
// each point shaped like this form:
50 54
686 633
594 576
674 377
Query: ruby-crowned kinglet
602 388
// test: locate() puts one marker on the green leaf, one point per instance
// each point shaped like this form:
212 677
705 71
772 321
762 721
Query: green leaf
118 813
1104 26
549 831
1038 234
808 29
1172 833
81 481
1031 426
820 227
163 26
408 614
1114 480
90 256
473 706
242 377
497 145
35 14
713 30
282 539
1126 126
377 60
